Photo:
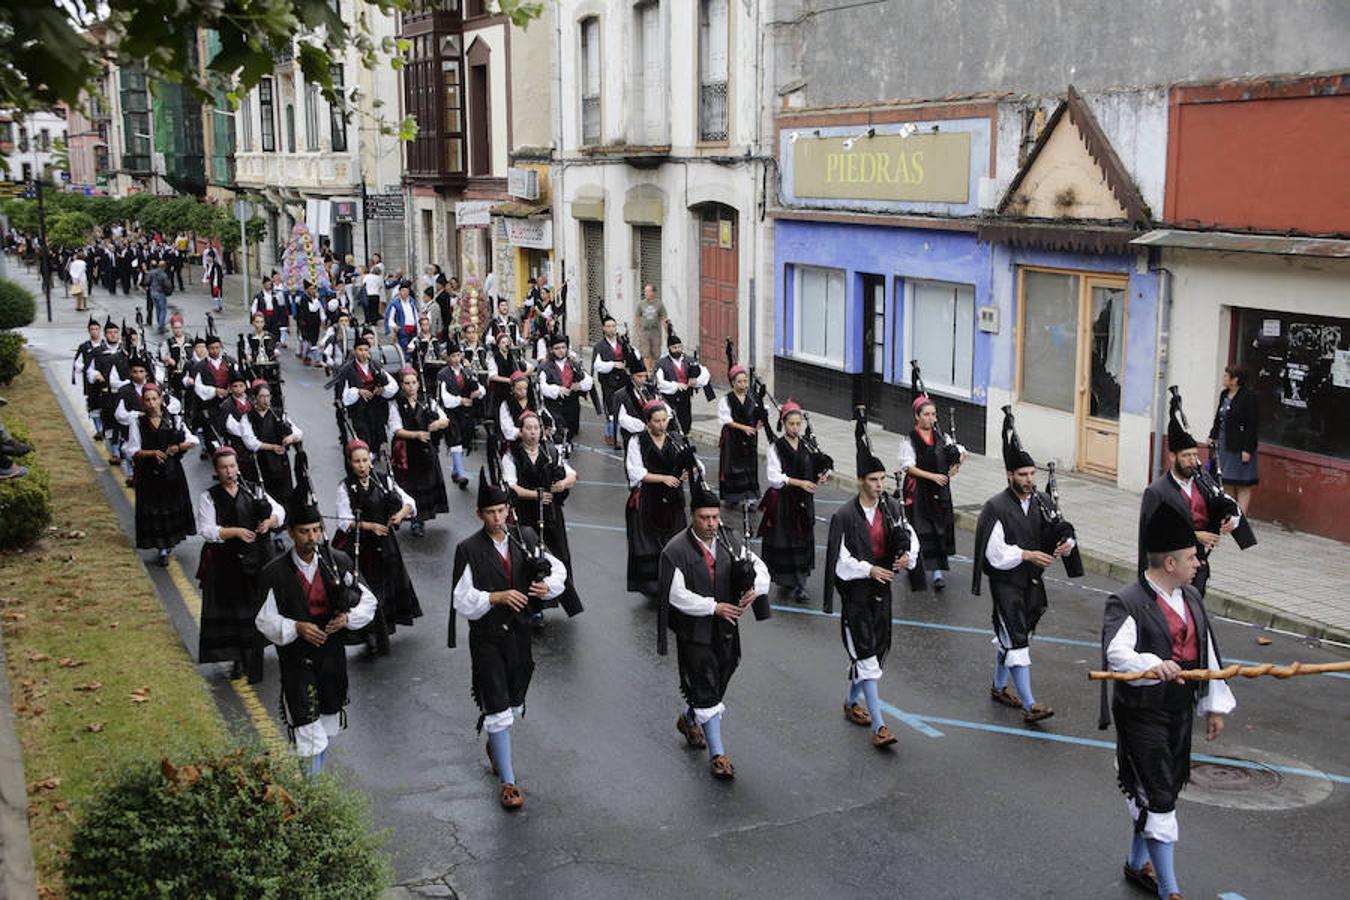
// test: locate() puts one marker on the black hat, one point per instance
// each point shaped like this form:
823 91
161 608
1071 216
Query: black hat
633 362
557 338
701 496
138 361
92 321
302 509
1014 457
441 279
1178 433
672 338
109 323
212 338
197 339
428 292
867 460
489 494
1167 530
452 346
362 341
238 375
405 283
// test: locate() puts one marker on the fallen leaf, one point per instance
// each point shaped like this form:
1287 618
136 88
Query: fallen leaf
38 657
95 727
68 663
139 698
13 616
89 686
46 784
1264 641
60 806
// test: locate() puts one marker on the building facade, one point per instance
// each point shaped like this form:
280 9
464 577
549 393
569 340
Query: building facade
660 168
31 145
327 167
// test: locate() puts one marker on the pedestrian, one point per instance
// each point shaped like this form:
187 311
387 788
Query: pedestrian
459 390
541 479
414 421
929 460
370 508
497 579
175 353
869 542
373 282
1159 625
84 358
563 382
309 320
699 580
364 390
651 320
503 323
676 380
259 357
1182 488
428 309
502 363
335 345
1234 435
213 276
741 416
794 470
658 465
1010 549
236 520
445 300
609 367
159 285
311 596
231 417
79 281
400 320
156 442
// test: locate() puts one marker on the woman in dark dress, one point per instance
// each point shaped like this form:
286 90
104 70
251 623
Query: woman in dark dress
1234 434
738 468
412 425
156 442
788 524
930 459
658 466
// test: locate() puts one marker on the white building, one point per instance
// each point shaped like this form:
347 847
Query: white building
29 143
312 165
659 175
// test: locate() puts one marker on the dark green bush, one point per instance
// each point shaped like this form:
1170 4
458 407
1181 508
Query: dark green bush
239 825
25 503
18 305
11 355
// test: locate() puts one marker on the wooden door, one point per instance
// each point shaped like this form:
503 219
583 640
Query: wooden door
874 340
1101 371
718 276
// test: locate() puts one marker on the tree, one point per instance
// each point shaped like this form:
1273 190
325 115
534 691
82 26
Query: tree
70 229
46 58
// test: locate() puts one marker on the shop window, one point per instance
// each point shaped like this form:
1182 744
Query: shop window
940 334
1049 351
819 315
1299 367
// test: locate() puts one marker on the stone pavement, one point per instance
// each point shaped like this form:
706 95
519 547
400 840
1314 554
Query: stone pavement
1290 580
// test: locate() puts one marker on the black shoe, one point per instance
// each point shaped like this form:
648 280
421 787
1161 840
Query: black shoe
13 447
236 670
939 585
163 559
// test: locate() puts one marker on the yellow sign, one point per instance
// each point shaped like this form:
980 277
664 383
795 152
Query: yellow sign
928 167
724 234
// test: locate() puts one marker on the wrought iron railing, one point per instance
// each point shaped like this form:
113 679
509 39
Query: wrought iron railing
712 111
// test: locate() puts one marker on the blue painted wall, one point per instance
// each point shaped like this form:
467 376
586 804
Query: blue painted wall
892 253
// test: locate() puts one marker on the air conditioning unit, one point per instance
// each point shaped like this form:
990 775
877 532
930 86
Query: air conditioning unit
523 183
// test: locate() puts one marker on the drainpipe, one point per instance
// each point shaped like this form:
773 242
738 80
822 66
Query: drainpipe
1160 386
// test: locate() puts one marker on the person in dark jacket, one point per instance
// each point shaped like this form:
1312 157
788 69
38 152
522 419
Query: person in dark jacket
1233 435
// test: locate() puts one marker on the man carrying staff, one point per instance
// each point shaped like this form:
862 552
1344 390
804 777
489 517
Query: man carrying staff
696 577
496 582
235 519
860 563
1159 624
1007 550
1180 488
310 595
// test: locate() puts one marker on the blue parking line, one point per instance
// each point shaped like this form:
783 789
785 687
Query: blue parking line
913 721
1229 895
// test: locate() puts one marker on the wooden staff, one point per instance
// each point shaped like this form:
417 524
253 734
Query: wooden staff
1233 671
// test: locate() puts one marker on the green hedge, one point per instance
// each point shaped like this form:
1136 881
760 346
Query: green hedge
11 355
25 503
243 824
18 305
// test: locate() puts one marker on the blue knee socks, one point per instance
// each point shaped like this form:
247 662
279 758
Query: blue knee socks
1000 672
854 692
712 732
312 765
1021 678
1138 852
500 744
869 692
457 463
1161 854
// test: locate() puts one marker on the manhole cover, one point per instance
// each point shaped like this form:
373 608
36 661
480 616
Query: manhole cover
1256 780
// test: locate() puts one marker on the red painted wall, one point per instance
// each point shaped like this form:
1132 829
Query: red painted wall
1264 156
1305 491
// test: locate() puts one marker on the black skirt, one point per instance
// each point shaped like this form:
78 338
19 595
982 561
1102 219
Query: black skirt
654 515
787 527
417 469
706 669
164 513
738 465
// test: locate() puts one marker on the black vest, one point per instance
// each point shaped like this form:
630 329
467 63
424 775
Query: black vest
684 553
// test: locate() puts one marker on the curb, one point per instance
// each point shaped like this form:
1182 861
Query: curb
1219 602
18 877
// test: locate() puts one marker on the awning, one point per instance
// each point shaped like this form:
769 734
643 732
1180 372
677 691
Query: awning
520 209
1071 237
589 204
1234 242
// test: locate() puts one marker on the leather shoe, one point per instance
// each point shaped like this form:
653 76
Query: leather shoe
857 714
1143 877
511 797
721 767
1006 696
882 737
1036 713
693 733
12 447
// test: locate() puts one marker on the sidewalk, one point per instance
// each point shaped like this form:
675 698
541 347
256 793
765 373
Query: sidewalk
1290 580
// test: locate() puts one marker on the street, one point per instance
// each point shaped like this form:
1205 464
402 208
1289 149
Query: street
970 803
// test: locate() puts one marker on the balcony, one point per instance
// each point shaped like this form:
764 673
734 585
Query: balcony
712 111
319 171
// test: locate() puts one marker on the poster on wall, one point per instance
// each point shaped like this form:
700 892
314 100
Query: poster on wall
1340 369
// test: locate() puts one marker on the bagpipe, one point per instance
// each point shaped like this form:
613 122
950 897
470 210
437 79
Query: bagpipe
1220 503
947 449
1055 529
759 391
821 462
892 508
694 368
743 564
344 588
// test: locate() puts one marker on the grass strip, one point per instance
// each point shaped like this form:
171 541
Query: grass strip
98 675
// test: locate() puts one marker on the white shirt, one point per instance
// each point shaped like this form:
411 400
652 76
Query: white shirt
1188 487
344 503
450 396
510 475
206 516
908 459
352 393
374 285
672 387
394 423
132 445
126 416
1122 657
251 441
850 568
692 604
78 272
472 603
281 631
205 387
554 391
1005 556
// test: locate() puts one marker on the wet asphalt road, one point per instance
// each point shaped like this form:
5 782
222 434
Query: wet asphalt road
969 803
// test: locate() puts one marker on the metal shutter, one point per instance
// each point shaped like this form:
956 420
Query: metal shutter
593 251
